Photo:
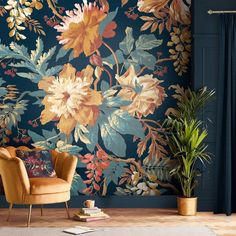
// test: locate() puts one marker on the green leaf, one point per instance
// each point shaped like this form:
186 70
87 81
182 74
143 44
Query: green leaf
128 43
112 140
107 20
147 42
144 58
159 168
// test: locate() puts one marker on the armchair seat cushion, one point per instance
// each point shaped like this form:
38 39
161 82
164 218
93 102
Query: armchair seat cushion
48 185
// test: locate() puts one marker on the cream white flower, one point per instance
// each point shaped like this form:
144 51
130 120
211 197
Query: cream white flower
66 95
70 99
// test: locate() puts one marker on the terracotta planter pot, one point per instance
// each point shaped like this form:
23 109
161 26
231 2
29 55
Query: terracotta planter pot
187 206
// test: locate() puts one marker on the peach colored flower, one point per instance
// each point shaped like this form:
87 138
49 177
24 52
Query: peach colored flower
151 5
80 28
177 9
148 99
70 99
179 12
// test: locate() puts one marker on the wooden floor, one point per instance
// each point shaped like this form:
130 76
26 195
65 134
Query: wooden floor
220 224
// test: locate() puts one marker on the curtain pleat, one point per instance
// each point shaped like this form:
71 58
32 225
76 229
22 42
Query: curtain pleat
226 118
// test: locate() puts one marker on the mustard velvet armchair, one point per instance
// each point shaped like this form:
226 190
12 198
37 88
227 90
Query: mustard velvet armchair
19 189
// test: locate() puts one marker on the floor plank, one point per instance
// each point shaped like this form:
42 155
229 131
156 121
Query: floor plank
220 224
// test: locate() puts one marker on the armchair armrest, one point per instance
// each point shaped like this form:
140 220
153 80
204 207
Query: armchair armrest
64 165
15 179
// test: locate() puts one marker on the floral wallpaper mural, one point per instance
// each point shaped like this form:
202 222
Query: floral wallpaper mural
95 78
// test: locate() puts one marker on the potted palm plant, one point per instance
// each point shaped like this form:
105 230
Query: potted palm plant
186 141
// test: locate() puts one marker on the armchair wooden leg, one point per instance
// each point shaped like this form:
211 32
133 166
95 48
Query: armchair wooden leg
29 215
41 210
67 210
9 211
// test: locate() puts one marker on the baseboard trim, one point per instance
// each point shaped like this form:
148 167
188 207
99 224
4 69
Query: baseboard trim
113 202
122 202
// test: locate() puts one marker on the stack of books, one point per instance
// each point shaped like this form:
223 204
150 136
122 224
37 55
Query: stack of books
90 214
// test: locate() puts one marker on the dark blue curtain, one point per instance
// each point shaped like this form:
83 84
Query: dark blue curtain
226 122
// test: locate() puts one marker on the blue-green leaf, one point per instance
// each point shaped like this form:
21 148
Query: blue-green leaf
130 62
35 54
92 136
19 49
53 70
42 63
32 76
114 171
144 58
124 123
107 20
49 134
62 146
3 91
44 145
71 56
128 43
77 185
38 93
112 140
62 53
110 59
104 86
4 51
35 137
147 42
116 102
2 81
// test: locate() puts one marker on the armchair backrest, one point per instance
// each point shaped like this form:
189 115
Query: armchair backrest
14 176
64 165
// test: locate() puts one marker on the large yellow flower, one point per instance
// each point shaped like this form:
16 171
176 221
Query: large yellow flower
80 28
70 99
145 101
